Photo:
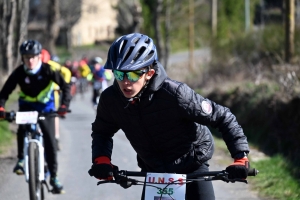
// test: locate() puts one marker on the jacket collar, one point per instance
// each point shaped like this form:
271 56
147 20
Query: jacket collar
158 78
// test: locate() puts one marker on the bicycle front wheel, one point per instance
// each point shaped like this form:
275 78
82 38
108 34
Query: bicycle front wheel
35 185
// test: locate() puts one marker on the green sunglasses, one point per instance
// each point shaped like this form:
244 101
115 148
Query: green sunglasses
132 76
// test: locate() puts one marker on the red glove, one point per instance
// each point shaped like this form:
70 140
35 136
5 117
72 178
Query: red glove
62 110
2 113
239 168
102 168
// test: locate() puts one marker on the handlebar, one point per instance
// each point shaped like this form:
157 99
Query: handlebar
11 116
251 172
123 176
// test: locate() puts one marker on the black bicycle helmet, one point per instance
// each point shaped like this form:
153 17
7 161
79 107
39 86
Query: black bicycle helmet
131 52
96 60
32 47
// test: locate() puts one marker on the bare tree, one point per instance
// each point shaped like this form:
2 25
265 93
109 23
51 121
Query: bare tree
52 29
70 13
13 28
21 28
289 30
167 32
7 24
129 16
156 7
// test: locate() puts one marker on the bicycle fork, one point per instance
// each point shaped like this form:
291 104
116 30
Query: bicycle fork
41 163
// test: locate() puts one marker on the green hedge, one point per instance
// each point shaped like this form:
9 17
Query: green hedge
269 123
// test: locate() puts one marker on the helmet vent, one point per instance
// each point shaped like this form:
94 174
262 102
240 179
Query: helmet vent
123 45
28 46
147 41
136 40
149 56
127 54
138 55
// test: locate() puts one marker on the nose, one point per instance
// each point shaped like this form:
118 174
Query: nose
125 80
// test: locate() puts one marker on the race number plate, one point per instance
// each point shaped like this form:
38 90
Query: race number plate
162 189
29 117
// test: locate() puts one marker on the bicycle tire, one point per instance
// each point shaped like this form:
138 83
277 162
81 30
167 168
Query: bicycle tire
42 192
35 185
98 97
81 87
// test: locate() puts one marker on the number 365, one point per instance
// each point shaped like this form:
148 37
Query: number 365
168 191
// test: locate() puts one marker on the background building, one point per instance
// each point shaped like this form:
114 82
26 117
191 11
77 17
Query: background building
82 23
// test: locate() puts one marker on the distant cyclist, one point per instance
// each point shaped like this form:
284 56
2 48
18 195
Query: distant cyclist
164 120
36 82
100 78
85 75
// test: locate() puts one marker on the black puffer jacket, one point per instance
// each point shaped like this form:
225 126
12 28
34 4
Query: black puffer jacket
167 127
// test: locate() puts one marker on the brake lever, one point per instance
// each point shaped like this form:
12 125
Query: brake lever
224 177
227 180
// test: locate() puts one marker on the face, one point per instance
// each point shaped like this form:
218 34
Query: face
68 63
129 88
31 61
97 66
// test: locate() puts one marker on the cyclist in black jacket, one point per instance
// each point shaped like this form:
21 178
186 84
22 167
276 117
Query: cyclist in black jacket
36 81
164 120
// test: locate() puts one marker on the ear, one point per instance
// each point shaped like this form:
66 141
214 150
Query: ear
40 56
149 74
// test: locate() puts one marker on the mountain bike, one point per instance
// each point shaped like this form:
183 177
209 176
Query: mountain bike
168 186
35 169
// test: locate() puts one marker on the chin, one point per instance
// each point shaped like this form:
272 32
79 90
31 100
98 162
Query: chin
128 95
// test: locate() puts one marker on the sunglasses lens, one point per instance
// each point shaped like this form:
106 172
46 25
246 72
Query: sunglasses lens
134 76
118 75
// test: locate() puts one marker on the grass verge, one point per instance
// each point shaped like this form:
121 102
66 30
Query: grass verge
5 136
275 180
5 133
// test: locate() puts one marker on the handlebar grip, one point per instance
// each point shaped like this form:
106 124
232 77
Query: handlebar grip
252 172
10 116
